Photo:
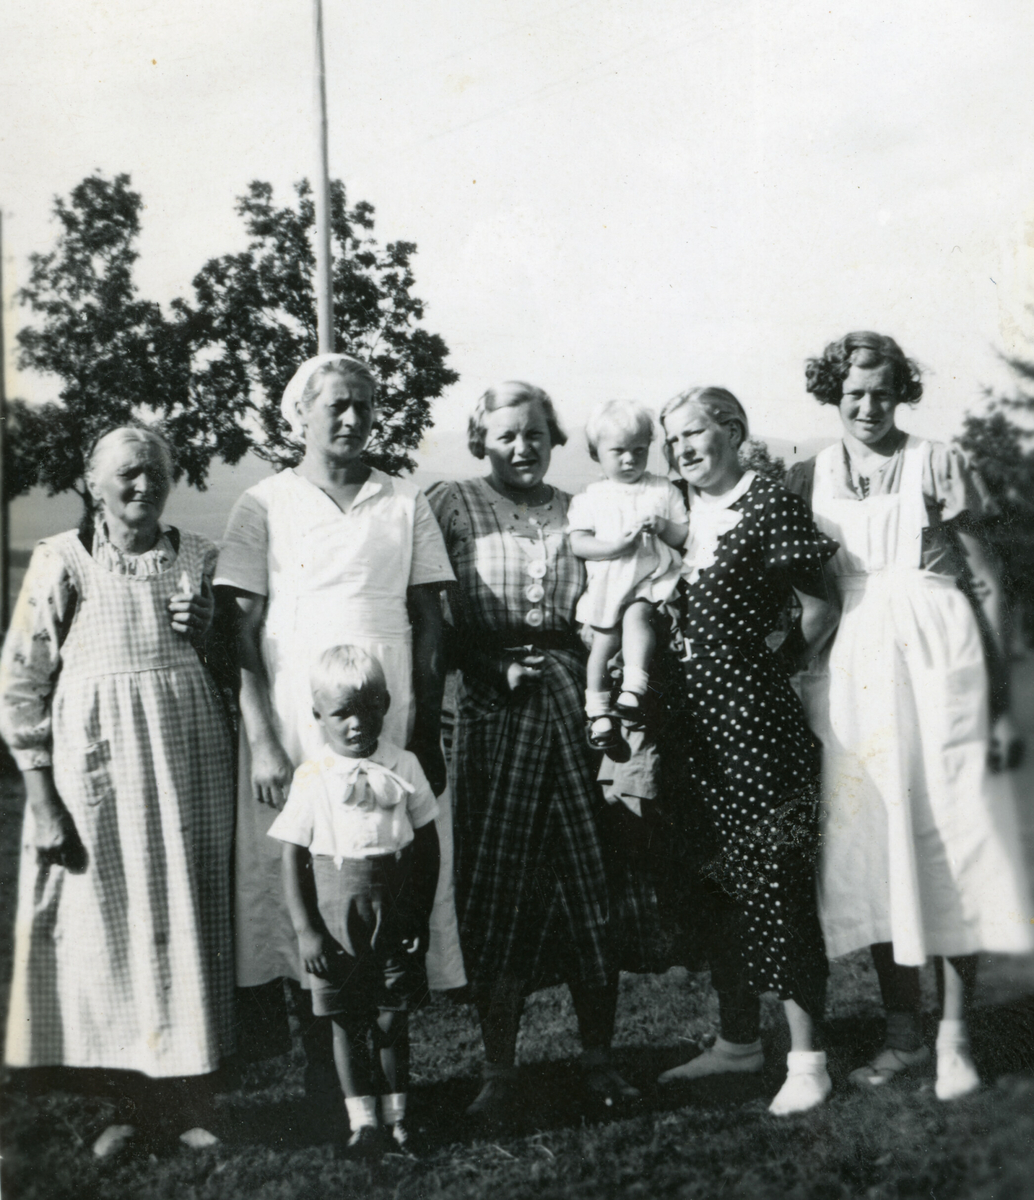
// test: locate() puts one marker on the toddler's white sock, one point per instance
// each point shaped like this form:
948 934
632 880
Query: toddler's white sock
635 679
597 704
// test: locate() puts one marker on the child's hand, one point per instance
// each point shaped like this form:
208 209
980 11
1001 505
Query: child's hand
190 612
313 951
652 524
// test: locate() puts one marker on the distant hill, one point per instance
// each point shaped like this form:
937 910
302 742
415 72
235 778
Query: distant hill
443 455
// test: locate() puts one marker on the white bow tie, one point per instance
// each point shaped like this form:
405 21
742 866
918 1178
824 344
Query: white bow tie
369 784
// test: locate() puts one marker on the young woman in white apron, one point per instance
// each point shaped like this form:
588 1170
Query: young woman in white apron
920 852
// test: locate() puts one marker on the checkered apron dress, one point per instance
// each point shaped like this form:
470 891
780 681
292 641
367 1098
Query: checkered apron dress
129 964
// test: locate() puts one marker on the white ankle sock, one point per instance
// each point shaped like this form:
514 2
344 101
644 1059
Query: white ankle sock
635 679
362 1110
597 704
807 1083
956 1072
393 1107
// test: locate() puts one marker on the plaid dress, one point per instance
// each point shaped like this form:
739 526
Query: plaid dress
535 865
127 964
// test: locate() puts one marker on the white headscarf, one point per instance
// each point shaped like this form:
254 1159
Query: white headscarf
291 404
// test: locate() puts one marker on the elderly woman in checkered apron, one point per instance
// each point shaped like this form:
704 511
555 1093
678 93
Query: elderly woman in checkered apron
122 936
532 845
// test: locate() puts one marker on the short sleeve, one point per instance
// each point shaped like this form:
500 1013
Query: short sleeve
421 803
800 479
32 657
244 556
294 823
793 546
957 489
430 562
581 517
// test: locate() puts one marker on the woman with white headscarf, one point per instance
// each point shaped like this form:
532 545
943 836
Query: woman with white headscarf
331 551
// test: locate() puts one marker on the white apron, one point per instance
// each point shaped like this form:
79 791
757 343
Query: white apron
920 845
333 578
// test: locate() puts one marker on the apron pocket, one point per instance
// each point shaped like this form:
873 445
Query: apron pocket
97 783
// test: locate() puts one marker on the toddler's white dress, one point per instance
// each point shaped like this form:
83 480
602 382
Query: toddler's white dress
607 509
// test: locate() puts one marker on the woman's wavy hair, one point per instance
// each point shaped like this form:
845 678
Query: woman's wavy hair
824 376
718 403
510 395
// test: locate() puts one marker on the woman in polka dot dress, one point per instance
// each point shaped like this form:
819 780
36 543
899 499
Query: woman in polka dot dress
741 763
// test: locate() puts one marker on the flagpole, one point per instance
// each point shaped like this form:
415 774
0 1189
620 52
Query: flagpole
321 195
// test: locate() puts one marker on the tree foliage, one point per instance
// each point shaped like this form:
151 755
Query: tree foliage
253 321
114 354
756 456
1003 451
211 373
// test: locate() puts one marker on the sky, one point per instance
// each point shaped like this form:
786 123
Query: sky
610 197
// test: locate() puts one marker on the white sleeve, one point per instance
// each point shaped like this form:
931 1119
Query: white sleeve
581 515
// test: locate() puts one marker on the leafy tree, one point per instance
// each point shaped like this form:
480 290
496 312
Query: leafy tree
211 374
756 456
114 354
1003 452
253 321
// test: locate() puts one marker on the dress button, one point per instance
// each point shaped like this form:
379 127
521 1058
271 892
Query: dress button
534 617
535 592
537 568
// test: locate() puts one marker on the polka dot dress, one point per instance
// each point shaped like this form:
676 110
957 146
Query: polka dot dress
744 765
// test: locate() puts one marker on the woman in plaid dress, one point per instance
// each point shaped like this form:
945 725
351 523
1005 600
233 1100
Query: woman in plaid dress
532 852
122 936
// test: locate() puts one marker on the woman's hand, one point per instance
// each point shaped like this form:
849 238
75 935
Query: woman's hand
312 949
429 753
191 613
525 671
271 772
55 836
1006 749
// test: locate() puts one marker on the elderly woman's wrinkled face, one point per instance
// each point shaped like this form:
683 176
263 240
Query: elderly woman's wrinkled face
518 445
704 452
130 479
868 403
340 419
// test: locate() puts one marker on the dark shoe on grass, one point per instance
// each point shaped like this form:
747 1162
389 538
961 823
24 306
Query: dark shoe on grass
495 1106
604 1087
366 1144
402 1139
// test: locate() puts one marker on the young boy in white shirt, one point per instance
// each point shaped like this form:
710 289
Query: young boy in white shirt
360 868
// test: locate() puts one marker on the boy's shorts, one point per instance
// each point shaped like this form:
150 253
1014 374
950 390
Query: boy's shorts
365 904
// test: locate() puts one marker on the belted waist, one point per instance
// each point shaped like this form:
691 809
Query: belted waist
527 640
748 648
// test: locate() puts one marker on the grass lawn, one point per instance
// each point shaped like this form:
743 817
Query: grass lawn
714 1139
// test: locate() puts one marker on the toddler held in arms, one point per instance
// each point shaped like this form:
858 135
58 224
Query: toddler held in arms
360 868
629 527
